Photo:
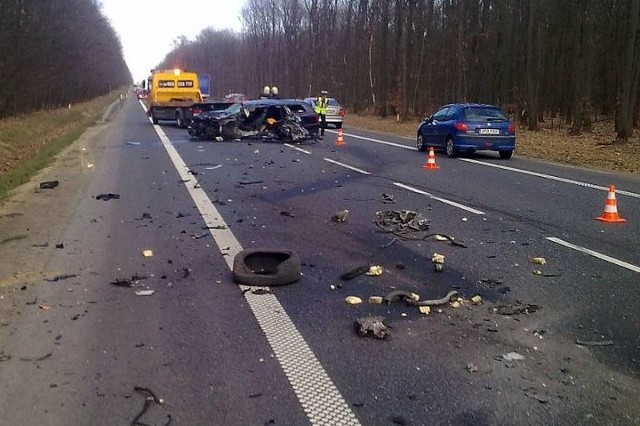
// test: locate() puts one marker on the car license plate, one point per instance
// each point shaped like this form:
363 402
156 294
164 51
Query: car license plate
489 131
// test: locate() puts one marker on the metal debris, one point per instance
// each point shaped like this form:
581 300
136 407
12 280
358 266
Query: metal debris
388 199
438 262
414 299
512 356
371 327
354 273
50 184
108 196
401 222
340 216
515 309
151 398
594 342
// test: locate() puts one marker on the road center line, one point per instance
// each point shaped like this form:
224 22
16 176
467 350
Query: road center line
298 149
319 397
442 200
346 166
595 254
551 177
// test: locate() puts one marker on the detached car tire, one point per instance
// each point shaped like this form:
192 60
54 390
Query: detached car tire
266 268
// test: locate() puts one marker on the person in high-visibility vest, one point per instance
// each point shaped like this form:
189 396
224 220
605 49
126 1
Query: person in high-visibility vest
321 109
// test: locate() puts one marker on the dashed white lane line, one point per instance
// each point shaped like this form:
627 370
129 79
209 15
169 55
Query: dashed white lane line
318 395
346 166
551 177
304 151
601 256
442 200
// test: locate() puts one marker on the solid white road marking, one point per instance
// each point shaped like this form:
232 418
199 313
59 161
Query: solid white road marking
397 145
442 200
318 395
610 259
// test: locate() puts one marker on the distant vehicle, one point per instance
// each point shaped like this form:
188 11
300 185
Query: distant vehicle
170 95
335 113
141 93
460 128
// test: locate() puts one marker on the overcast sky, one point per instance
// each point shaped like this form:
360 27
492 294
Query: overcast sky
147 28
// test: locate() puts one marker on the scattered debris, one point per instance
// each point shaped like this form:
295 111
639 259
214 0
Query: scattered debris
340 216
445 237
388 199
371 327
456 304
512 356
108 196
60 246
287 213
49 184
15 238
133 143
257 291
250 182
353 300
538 260
594 342
426 310
60 277
472 368
354 273
400 222
375 300
145 292
37 359
532 393
147 253
375 271
515 309
438 262
476 300
151 398
413 299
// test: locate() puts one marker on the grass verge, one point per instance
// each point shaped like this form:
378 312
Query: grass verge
28 143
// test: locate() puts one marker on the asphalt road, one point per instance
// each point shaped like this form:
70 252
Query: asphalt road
74 346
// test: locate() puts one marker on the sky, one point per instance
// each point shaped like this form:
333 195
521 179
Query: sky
147 28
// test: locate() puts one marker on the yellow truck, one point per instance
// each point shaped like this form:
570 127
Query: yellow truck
170 94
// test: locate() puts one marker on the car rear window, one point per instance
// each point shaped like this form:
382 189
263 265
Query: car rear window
333 102
297 108
484 114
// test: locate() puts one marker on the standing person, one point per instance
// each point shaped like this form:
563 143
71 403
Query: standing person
321 110
274 92
266 93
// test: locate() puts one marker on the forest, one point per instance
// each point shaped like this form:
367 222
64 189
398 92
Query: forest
54 53
574 60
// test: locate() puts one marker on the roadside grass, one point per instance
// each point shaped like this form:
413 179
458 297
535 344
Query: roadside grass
28 143
593 150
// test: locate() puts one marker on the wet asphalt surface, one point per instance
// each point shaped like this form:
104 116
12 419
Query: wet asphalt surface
77 354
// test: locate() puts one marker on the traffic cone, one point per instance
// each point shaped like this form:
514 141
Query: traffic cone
340 140
431 161
611 208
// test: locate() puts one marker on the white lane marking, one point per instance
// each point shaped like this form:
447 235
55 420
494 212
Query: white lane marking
442 200
318 395
551 177
346 166
397 145
610 259
298 149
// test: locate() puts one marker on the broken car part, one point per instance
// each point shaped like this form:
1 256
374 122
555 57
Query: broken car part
266 268
371 327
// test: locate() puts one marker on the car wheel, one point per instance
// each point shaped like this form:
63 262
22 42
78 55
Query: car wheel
505 155
420 143
451 149
338 125
179 120
154 119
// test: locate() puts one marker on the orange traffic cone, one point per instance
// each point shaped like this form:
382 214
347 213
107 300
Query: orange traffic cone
431 161
611 208
340 140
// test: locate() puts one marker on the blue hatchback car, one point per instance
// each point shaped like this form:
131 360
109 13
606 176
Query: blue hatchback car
460 128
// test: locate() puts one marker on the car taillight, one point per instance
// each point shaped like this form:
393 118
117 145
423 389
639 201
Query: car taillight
512 129
195 111
462 127
341 113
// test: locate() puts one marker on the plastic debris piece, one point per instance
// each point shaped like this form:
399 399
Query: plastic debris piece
371 327
464 219
441 238
107 196
426 310
538 260
594 342
354 273
476 300
472 368
353 300
50 184
455 304
375 300
147 253
144 292
375 271
415 297
438 262
512 356
340 216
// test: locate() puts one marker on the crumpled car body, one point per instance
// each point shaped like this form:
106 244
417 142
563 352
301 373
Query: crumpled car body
267 120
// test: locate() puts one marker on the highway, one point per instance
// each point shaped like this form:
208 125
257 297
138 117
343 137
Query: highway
217 353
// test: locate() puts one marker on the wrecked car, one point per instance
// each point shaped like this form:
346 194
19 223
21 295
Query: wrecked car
268 119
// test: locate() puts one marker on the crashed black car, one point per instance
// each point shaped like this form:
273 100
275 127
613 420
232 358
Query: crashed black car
269 119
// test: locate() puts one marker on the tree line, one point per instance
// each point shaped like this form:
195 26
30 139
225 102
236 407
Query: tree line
56 52
573 59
